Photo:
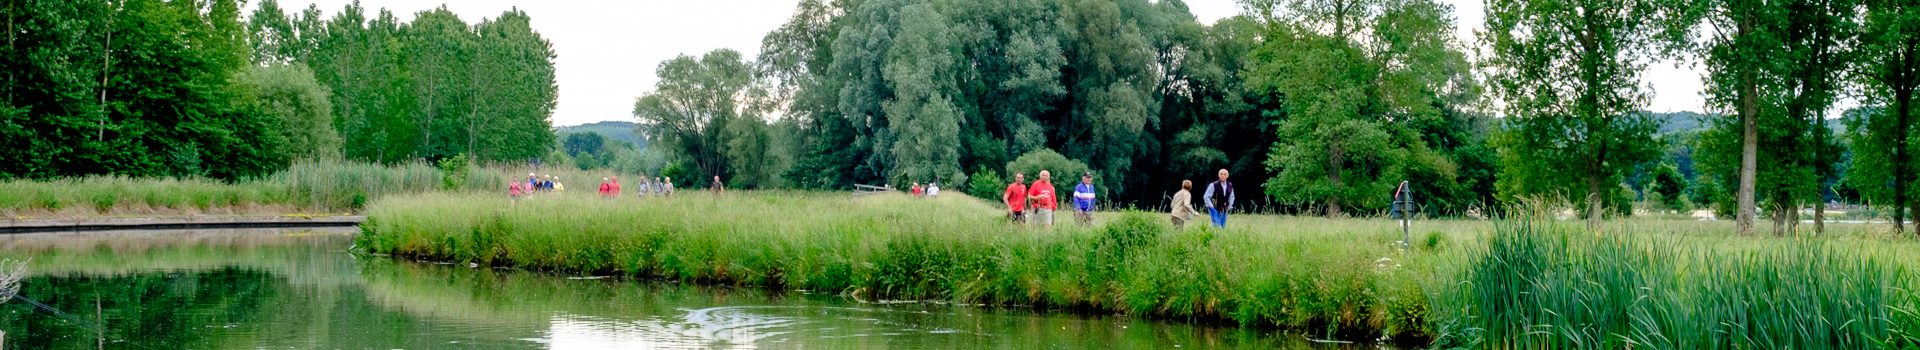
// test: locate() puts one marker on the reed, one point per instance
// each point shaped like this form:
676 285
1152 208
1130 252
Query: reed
1541 284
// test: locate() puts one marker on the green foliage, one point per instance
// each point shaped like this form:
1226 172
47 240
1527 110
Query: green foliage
583 143
708 111
1573 125
298 107
1882 134
1670 188
1346 141
985 183
454 172
1032 163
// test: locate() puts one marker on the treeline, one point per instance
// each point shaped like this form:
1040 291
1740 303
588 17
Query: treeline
1320 112
1322 106
194 88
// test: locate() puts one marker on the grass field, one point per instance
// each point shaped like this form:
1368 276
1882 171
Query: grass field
1507 284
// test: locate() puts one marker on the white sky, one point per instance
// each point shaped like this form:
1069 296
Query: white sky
608 49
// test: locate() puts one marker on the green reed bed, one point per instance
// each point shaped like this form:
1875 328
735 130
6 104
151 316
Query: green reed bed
1348 286
1552 285
316 186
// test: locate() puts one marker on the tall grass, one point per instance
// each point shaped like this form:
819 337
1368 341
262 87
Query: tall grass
1514 284
319 186
1540 284
1349 285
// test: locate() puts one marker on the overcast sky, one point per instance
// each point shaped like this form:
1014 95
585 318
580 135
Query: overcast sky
608 49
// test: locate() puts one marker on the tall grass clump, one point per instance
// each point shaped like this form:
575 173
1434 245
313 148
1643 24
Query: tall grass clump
1540 284
350 185
1346 284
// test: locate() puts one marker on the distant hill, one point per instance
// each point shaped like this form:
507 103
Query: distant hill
612 130
1679 122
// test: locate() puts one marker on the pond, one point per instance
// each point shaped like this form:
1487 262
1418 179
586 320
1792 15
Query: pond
263 288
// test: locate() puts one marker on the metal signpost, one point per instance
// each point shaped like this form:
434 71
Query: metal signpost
1403 210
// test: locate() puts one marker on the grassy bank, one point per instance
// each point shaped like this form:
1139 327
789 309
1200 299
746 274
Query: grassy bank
1330 283
1465 283
320 187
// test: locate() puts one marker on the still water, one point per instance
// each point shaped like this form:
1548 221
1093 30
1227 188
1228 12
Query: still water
300 289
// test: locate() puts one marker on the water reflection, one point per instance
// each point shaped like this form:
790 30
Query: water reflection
299 289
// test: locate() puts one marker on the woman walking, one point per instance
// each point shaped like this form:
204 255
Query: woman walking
1183 204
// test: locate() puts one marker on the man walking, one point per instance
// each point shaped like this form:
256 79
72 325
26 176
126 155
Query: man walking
1083 200
1016 199
1043 201
1220 200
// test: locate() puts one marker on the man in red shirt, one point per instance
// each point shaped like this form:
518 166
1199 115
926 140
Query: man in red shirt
1042 194
605 187
1016 199
614 189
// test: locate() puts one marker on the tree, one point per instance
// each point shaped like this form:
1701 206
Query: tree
299 105
926 124
1567 71
1889 71
691 106
1351 93
583 143
271 32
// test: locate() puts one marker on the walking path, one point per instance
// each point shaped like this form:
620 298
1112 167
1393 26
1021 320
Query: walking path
177 223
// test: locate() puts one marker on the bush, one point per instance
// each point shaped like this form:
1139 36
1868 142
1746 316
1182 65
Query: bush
985 184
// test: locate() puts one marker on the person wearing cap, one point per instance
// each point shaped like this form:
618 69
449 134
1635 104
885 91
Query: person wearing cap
1083 199
606 186
1041 191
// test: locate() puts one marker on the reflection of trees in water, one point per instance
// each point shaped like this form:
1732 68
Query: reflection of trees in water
160 311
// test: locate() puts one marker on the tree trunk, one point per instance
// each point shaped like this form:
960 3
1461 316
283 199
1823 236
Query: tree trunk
1593 200
106 67
1820 213
1901 163
1334 165
1749 146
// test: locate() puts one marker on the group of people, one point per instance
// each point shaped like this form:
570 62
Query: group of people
1219 200
609 186
547 183
657 186
932 189
1036 202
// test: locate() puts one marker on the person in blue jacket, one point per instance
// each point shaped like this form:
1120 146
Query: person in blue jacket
1083 200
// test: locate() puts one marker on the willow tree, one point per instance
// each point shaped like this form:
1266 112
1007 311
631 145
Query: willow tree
694 105
1568 73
